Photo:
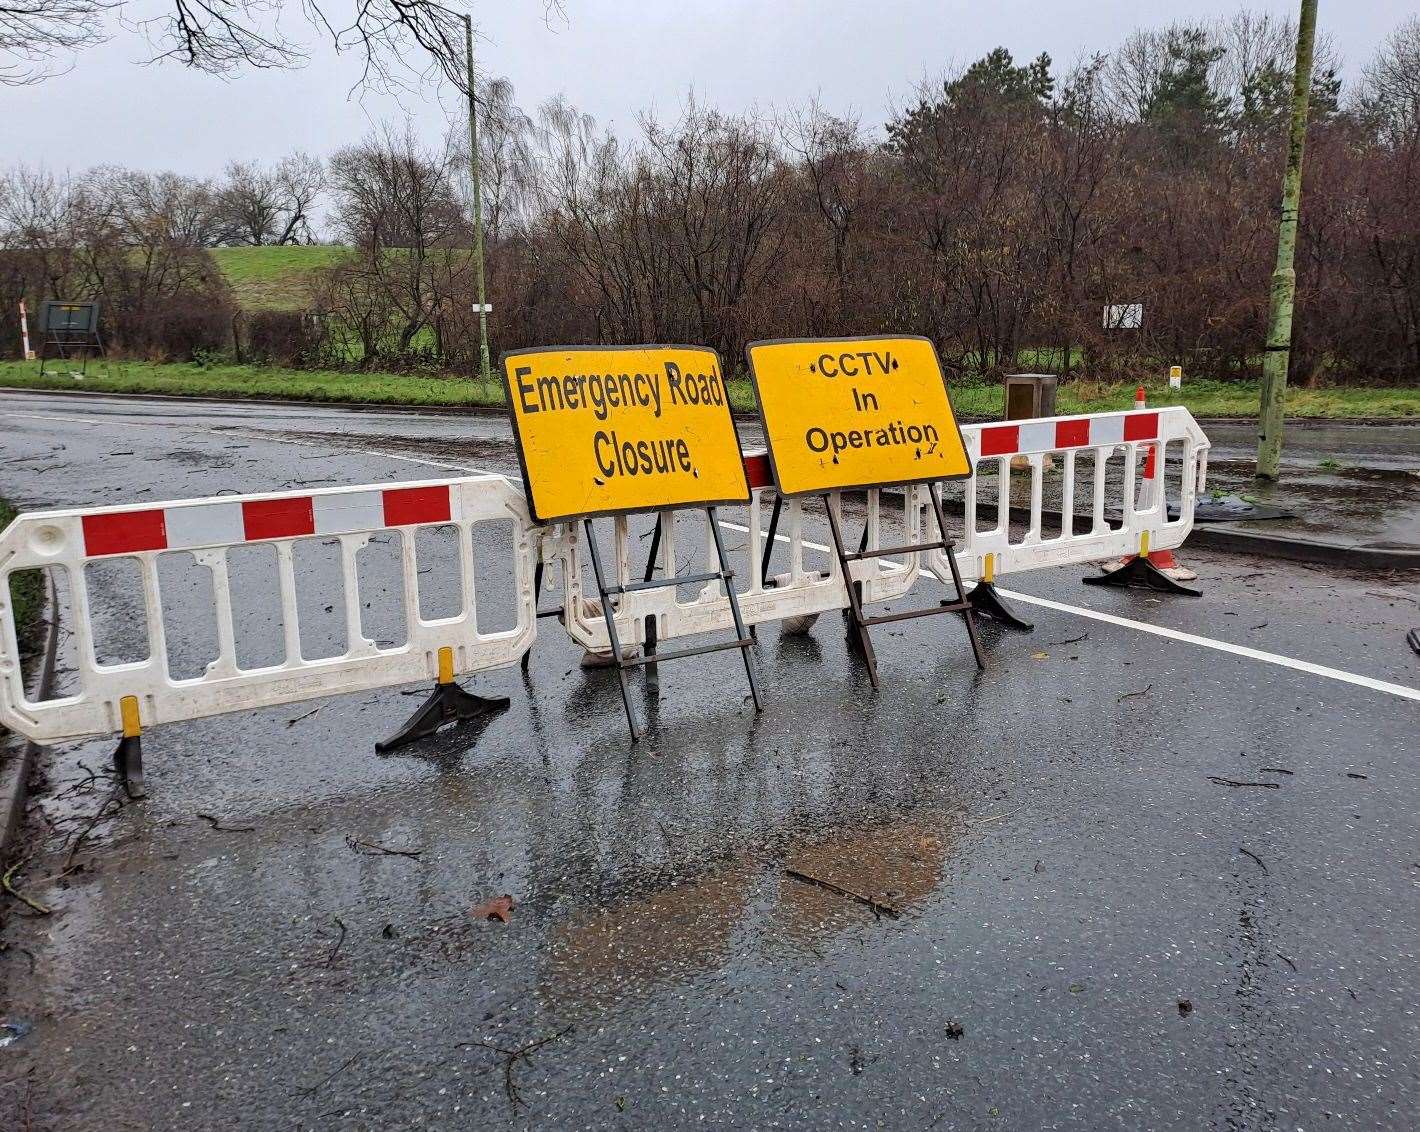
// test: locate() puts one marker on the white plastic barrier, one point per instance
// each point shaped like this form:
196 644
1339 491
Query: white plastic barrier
1125 507
797 591
1113 446
209 529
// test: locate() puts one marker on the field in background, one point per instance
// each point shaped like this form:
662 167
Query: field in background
274 279
971 398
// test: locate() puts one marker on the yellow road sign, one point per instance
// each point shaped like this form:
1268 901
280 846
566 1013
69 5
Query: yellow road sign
603 430
855 412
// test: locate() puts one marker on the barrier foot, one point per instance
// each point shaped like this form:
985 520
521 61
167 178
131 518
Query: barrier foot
449 703
987 602
128 762
1140 573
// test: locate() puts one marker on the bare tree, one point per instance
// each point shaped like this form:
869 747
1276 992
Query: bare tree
38 37
1391 90
260 206
393 38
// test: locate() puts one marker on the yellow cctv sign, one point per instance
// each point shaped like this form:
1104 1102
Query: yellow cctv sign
605 429
856 412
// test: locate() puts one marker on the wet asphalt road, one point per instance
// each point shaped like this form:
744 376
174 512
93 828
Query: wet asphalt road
1124 941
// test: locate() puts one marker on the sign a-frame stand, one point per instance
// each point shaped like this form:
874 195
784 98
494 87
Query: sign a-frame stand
861 413
606 431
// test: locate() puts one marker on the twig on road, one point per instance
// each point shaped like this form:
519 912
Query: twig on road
1144 691
93 821
217 824
376 849
322 1084
306 715
334 951
1066 641
1255 857
1218 781
512 1056
16 893
878 908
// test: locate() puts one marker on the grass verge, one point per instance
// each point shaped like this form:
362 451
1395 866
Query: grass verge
971 398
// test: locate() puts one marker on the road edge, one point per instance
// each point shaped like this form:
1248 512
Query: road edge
501 410
15 772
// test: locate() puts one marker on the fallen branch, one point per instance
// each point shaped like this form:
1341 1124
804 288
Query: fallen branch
93 821
1217 781
217 824
16 893
334 951
878 908
1256 858
307 715
510 1084
376 849
328 1080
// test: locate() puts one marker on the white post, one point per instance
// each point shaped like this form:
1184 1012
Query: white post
25 332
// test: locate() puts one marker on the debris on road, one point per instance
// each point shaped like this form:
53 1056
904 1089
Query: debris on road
1185 1007
1219 781
375 849
955 1030
878 908
1255 857
496 909
216 824
12 1031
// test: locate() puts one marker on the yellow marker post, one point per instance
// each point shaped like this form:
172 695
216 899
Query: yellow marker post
856 412
128 714
128 758
612 430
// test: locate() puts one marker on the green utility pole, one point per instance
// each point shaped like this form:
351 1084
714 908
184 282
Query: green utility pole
1284 278
477 201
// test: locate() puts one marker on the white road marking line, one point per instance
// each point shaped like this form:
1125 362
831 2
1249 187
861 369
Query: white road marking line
1177 635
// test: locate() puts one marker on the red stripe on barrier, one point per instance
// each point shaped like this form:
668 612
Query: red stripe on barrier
1072 434
1141 426
278 518
757 469
1003 440
408 505
124 532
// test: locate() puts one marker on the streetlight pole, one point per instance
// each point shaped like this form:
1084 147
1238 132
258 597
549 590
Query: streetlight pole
477 202
1277 355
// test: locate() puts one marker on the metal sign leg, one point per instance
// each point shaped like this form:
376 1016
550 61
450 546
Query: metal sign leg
611 630
713 518
855 603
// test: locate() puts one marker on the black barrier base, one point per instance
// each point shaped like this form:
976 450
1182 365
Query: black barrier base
128 762
861 622
1140 573
988 602
447 704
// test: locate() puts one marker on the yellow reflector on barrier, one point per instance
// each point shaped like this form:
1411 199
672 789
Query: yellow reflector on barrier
1143 544
128 713
988 573
446 665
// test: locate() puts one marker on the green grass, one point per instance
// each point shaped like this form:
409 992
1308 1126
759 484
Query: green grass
274 279
26 592
971 398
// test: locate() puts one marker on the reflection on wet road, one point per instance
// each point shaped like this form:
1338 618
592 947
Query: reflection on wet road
1101 829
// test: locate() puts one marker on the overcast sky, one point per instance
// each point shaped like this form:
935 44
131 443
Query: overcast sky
612 58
